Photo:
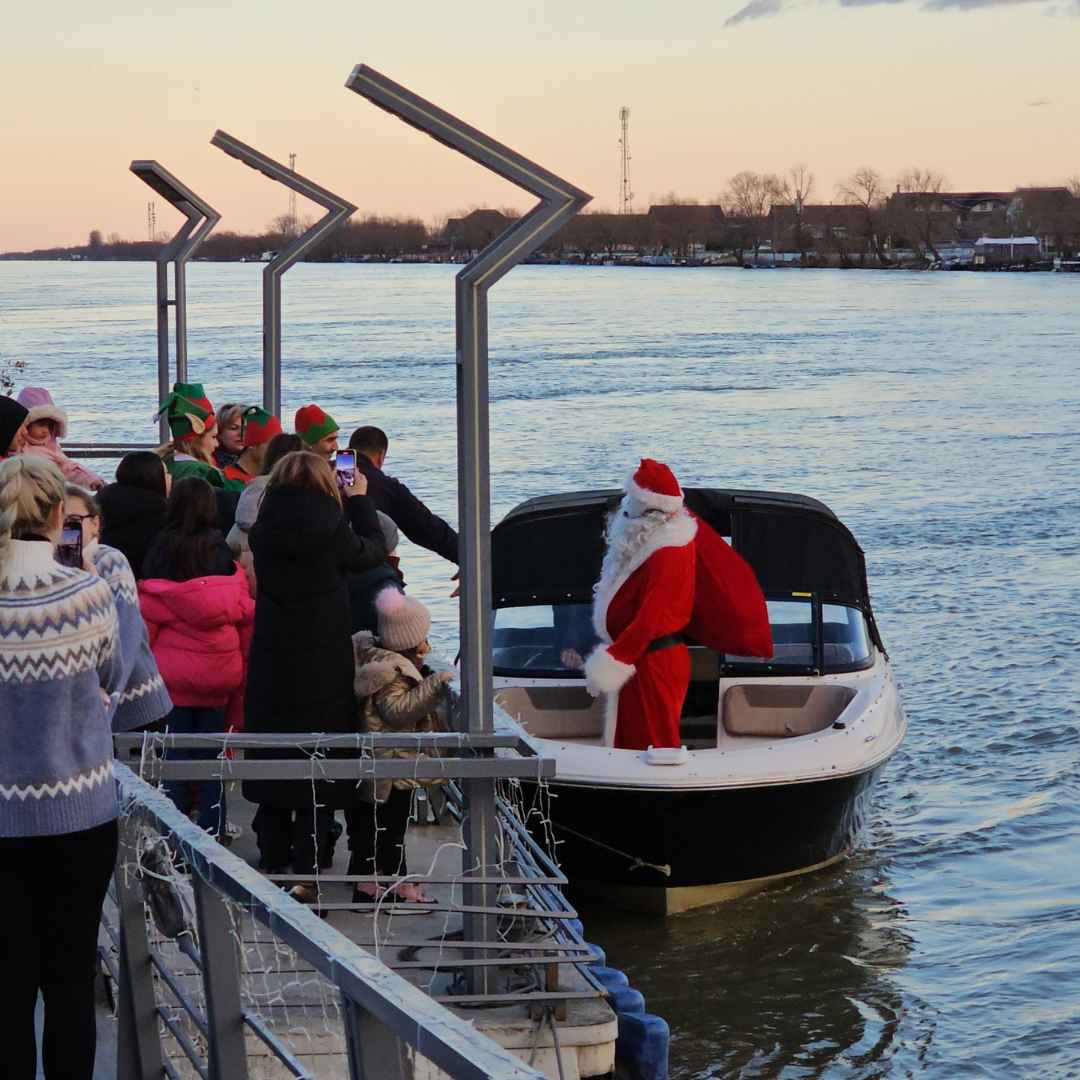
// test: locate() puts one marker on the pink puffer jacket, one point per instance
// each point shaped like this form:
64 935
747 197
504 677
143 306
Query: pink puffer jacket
200 633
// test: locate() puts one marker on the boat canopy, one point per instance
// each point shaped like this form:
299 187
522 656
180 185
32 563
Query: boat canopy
548 550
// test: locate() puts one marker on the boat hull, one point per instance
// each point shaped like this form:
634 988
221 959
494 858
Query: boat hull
714 844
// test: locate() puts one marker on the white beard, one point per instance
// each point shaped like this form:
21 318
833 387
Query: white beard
625 536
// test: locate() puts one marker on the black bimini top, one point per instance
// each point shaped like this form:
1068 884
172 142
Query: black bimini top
548 550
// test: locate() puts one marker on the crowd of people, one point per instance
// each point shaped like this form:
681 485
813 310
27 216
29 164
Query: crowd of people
233 579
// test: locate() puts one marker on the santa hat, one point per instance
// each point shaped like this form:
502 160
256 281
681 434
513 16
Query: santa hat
188 411
257 426
655 487
39 405
403 622
12 417
312 424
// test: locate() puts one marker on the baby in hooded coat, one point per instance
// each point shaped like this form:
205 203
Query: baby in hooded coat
46 424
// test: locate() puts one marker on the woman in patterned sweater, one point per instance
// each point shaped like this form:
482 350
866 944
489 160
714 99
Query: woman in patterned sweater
59 661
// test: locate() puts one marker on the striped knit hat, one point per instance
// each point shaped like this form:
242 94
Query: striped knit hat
188 411
258 426
312 424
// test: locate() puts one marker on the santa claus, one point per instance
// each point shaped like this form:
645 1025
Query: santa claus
644 599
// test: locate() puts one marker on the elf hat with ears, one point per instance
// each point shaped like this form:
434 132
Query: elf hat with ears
188 411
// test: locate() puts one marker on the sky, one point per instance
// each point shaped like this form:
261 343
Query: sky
983 91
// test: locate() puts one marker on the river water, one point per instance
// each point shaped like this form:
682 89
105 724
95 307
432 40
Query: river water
937 414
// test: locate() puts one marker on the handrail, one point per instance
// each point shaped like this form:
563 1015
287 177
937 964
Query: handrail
372 994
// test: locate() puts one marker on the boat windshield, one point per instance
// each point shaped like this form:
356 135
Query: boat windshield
548 640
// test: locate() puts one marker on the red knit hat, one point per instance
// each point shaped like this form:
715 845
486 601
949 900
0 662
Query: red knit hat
312 424
654 485
258 426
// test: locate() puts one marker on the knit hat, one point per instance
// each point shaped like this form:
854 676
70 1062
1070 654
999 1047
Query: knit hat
403 622
312 424
391 536
188 411
654 487
258 426
12 417
39 405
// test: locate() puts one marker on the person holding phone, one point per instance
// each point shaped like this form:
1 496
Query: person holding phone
143 699
59 649
308 537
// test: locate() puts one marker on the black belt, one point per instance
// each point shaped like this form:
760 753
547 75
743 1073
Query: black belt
664 642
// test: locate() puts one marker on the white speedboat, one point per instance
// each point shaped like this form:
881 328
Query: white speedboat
779 756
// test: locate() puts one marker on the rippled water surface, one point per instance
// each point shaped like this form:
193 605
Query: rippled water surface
937 414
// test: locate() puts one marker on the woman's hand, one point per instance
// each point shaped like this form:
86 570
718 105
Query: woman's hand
358 486
446 677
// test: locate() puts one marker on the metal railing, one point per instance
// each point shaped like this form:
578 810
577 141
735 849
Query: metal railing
385 1018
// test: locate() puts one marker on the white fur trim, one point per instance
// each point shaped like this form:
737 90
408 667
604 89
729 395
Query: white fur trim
49 412
653 499
676 532
606 675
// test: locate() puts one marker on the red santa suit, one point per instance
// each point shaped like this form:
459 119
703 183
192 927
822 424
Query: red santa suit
642 598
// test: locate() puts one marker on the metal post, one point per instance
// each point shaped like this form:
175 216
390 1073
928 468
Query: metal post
338 211
559 201
226 1052
375 1053
201 219
138 1042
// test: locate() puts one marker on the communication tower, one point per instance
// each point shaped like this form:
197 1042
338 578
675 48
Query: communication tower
151 222
292 199
626 194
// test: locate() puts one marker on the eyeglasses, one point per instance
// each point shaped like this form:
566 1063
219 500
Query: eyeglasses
80 518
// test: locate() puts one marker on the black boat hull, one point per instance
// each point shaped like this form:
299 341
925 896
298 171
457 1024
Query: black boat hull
667 850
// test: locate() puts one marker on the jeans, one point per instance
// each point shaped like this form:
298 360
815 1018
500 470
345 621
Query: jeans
205 796
52 889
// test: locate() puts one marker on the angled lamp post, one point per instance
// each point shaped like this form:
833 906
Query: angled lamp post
337 211
201 219
559 201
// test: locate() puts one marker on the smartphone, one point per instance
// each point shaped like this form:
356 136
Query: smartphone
69 549
345 467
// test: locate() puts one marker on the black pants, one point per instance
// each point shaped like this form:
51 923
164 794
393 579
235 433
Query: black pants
52 889
377 835
207 797
293 837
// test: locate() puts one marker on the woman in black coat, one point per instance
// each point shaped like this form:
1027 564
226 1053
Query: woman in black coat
133 508
300 670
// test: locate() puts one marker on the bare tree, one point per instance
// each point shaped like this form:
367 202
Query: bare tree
866 189
95 238
1073 184
750 196
800 182
921 210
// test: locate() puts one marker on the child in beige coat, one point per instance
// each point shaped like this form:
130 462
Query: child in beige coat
397 692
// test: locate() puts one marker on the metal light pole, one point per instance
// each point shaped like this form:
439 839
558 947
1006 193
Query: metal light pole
559 201
338 210
201 219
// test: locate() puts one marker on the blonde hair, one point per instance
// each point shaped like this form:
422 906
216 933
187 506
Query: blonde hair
226 414
302 468
31 487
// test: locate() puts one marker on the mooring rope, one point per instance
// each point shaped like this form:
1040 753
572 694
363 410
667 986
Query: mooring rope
636 862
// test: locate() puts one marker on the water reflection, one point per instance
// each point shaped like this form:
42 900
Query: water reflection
797 981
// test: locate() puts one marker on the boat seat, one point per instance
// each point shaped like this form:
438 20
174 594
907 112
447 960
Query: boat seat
554 712
773 710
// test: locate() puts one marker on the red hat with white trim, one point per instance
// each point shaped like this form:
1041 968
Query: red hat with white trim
655 487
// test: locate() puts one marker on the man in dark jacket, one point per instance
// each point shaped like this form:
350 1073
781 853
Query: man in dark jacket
395 500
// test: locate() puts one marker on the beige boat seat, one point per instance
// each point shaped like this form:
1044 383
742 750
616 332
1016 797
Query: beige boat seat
773 710
555 712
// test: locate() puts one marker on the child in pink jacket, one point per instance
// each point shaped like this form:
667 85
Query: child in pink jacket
45 426
199 613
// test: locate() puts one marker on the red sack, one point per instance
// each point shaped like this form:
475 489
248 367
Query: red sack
730 614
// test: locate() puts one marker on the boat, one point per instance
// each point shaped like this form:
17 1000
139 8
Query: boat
779 757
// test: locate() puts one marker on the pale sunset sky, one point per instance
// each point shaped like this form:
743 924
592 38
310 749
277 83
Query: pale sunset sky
985 91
